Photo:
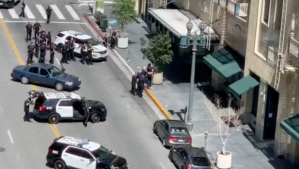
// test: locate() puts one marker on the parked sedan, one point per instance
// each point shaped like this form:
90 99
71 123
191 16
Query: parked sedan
46 75
188 157
172 132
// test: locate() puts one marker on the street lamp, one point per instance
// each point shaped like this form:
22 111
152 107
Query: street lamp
191 40
206 136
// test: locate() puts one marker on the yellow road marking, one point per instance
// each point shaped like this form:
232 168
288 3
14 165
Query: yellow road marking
21 62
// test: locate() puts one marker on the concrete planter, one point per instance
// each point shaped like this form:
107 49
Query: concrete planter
123 42
158 78
224 161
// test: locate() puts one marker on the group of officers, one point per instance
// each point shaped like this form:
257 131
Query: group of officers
142 79
43 42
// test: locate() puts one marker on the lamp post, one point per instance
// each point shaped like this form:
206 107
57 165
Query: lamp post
206 136
191 37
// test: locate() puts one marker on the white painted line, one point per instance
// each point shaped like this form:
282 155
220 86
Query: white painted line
60 22
42 11
57 61
57 12
10 137
1 16
72 12
162 165
28 13
124 62
13 14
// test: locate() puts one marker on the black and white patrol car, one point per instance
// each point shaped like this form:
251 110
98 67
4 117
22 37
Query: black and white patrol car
69 152
55 107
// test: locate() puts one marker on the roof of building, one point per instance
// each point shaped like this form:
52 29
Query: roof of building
83 143
61 95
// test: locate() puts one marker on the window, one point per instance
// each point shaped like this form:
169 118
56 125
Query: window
73 151
68 38
86 154
102 153
183 152
60 35
54 71
277 14
65 103
200 161
178 130
164 124
33 70
266 11
43 72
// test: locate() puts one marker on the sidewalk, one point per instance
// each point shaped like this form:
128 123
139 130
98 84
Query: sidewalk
173 95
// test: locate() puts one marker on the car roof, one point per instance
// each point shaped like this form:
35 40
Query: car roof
62 95
77 142
176 123
75 34
41 65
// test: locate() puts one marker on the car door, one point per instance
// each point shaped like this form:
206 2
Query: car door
72 157
89 160
78 45
65 108
164 129
176 156
33 75
46 78
182 157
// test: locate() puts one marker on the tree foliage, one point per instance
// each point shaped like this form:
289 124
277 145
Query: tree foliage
158 50
124 12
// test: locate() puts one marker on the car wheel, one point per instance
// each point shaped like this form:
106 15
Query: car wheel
95 118
59 47
59 86
53 118
59 164
24 80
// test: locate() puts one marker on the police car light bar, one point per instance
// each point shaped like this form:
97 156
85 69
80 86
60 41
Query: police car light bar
83 142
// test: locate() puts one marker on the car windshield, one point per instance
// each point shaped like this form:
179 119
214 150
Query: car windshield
93 42
54 71
102 153
178 130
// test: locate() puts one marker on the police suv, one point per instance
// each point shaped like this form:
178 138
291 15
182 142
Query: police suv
69 152
55 107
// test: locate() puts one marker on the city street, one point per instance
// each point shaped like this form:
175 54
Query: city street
127 131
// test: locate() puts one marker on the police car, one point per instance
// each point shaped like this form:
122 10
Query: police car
69 152
55 107
99 51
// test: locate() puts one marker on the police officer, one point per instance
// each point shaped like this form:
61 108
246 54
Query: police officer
42 33
43 47
83 53
133 84
89 54
64 55
36 28
36 44
48 12
22 14
141 82
52 53
86 116
49 38
67 47
30 49
28 31
26 109
71 49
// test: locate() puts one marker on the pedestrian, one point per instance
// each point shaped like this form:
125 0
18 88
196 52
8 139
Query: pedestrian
30 50
141 81
49 38
105 41
86 116
83 53
27 109
133 84
36 28
52 53
64 55
48 12
150 74
22 14
36 53
113 40
43 48
89 55
71 49
28 31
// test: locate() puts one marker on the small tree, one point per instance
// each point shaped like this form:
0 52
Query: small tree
157 50
124 12
226 122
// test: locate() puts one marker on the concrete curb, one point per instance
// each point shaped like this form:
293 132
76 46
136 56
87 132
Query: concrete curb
148 92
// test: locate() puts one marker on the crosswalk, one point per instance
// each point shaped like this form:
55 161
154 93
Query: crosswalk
38 12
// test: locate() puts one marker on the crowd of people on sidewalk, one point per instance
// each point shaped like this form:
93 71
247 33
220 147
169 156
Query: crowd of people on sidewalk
142 79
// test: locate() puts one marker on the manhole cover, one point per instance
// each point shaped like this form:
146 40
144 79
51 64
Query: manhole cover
2 149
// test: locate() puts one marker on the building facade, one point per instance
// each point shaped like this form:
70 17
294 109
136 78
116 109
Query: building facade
266 34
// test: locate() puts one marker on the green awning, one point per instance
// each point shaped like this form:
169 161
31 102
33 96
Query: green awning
223 63
291 126
243 85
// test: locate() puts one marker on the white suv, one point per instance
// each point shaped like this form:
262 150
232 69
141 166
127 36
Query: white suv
100 52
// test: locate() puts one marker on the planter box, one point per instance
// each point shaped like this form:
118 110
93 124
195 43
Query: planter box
158 78
224 161
123 42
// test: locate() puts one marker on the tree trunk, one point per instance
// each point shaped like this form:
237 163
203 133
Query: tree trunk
223 26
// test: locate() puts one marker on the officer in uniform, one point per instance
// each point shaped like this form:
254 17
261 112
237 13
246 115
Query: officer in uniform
36 28
30 49
49 12
52 53
83 53
26 109
49 38
28 31
71 49
43 48
37 42
64 55
86 116
89 54
22 14
42 33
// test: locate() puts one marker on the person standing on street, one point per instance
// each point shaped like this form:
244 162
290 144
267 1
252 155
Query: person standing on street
52 53
105 41
43 48
86 116
22 14
28 31
30 49
49 38
150 74
71 49
36 28
133 84
48 12
141 82
26 109
64 55
89 55
83 53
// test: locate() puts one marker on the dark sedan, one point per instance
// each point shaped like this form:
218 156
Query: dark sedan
188 157
8 3
46 75
172 132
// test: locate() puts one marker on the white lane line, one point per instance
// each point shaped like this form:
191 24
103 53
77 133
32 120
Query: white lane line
162 165
41 10
1 16
10 137
57 61
72 12
28 13
56 22
57 12
13 13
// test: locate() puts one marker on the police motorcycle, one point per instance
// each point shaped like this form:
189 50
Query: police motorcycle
8 3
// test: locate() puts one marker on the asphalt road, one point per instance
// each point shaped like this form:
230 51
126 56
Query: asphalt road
127 131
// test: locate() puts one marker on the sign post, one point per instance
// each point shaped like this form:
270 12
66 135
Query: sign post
98 6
